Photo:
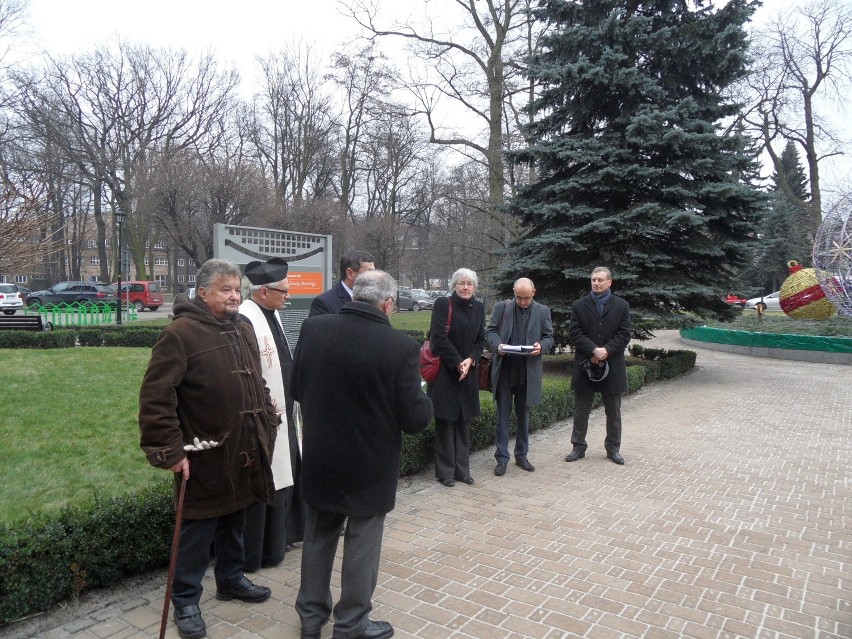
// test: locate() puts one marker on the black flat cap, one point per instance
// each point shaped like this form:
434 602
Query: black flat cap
260 273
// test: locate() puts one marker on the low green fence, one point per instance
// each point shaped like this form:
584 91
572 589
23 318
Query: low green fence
768 340
82 314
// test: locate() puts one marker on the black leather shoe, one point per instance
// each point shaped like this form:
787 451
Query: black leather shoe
244 590
189 623
574 455
524 463
449 483
375 630
616 457
500 470
466 480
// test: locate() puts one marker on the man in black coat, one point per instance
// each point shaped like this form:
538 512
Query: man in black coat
358 382
599 331
352 264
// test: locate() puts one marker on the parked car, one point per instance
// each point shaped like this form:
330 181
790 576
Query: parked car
142 294
10 299
23 291
73 292
423 299
735 300
413 299
771 302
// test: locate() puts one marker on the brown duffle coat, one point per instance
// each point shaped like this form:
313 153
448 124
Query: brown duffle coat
204 380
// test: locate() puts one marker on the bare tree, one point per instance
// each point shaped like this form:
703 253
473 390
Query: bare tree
189 192
292 128
365 81
470 59
109 110
25 229
801 66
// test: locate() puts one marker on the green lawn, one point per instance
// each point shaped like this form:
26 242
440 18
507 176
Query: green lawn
69 427
411 320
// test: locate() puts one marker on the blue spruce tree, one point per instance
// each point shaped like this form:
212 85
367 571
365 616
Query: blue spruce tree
635 171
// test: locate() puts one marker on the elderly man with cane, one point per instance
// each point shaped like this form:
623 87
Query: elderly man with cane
206 415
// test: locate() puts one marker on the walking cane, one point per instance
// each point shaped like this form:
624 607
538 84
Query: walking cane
173 556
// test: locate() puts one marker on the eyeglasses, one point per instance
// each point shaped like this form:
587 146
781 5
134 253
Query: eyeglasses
280 290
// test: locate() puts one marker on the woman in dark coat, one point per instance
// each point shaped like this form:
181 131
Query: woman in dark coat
455 392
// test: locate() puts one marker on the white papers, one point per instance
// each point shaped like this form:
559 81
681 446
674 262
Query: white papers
510 349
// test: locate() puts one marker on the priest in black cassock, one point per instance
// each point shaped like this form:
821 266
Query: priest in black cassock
270 530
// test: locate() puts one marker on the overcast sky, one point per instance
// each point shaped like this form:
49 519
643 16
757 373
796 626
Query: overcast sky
240 31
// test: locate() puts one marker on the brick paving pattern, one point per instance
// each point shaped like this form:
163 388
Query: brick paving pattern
731 518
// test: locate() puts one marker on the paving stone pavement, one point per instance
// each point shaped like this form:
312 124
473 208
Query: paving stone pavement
731 518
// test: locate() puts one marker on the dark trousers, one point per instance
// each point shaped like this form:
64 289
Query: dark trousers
196 538
362 546
612 407
452 449
296 507
505 394
265 538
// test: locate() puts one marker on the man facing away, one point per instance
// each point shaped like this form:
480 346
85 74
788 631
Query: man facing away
206 415
272 529
599 331
352 264
516 374
357 380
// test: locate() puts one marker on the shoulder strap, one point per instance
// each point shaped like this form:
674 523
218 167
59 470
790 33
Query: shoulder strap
449 316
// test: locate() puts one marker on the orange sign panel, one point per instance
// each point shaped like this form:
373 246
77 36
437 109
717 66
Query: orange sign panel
305 283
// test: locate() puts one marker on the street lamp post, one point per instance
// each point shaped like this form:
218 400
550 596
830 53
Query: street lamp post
119 218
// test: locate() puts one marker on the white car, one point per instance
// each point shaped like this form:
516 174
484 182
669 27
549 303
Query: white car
10 299
771 302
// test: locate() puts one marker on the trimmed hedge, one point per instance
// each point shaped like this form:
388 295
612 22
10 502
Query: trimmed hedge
135 335
59 338
662 363
48 559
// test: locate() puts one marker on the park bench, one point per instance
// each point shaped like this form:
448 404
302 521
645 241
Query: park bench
24 323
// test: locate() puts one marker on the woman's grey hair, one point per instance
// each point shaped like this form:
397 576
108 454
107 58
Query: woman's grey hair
213 269
466 274
374 287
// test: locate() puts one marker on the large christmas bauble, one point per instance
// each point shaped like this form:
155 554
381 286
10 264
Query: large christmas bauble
802 297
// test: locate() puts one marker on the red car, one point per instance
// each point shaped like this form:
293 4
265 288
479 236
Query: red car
735 300
142 295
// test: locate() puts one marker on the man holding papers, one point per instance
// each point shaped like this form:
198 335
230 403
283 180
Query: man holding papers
519 333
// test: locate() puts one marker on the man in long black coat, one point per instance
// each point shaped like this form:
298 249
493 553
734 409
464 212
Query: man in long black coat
599 330
358 382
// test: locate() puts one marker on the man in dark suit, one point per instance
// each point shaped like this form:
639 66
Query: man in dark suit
516 373
599 330
352 264
358 382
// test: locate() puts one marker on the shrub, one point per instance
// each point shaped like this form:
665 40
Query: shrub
48 559
134 336
666 364
60 338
